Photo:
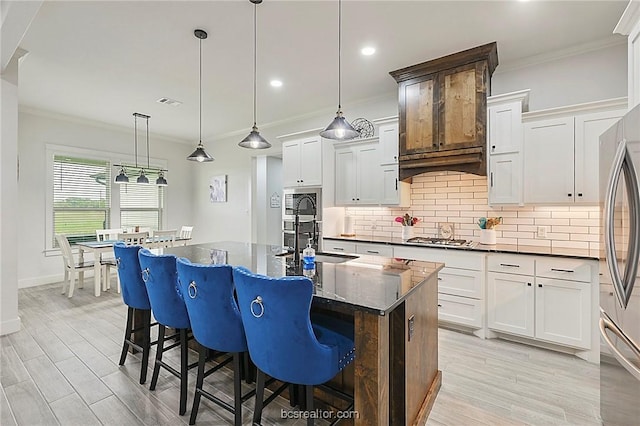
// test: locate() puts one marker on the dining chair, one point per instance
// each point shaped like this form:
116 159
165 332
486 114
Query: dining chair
161 280
185 234
71 266
134 295
283 340
208 293
163 238
108 234
134 238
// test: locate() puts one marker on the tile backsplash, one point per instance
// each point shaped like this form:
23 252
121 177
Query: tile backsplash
461 199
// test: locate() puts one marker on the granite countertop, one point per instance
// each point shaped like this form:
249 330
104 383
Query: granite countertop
367 283
497 248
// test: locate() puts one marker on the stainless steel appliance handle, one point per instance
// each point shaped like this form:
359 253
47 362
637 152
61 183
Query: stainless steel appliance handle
622 162
606 324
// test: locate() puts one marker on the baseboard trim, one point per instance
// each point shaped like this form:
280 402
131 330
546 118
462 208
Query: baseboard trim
46 279
10 326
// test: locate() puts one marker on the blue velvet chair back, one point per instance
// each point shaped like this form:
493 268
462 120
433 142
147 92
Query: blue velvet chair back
161 279
134 292
208 293
281 341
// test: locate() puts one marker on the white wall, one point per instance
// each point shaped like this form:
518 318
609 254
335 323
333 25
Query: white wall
590 76
36 130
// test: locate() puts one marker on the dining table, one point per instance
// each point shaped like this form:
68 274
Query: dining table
99 248
393 306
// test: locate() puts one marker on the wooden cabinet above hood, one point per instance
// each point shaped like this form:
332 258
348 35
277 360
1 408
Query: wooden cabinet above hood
443 112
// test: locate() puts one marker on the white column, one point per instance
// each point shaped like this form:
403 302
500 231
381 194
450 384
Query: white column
9 320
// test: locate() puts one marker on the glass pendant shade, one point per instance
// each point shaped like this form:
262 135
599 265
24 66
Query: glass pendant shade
142 178
254 140
161 181
339 129
122 176
200 155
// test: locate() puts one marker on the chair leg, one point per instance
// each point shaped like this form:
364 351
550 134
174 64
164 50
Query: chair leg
202 352
146 346
81 279
65 283
159 349
257 410
127 336
184 367
237 390
308 391
72 283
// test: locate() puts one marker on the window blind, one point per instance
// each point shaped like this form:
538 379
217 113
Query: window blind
141 205
81 197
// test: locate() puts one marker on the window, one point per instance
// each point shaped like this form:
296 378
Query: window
81 197
141 205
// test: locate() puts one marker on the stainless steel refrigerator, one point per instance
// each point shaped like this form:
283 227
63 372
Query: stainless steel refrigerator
619 282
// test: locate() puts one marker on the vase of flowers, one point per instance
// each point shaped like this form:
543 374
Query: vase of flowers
487 229
407 222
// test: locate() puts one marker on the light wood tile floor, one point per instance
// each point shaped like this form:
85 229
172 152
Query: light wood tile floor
62 368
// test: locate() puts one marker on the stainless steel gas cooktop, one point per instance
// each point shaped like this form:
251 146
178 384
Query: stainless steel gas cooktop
441 242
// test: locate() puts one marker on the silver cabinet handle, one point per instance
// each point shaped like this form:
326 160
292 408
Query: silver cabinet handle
606 324
622 162
562 270
338 248
510 265
373 251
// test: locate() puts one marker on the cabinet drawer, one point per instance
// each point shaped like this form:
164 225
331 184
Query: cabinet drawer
460 310
564 269
374 249
511 264
460 282
339 246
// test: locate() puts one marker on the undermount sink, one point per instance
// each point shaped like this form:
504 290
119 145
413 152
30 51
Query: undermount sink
323 257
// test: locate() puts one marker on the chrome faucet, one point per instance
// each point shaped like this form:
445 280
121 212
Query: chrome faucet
296 226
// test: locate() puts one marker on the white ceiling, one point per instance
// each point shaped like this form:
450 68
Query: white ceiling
105 60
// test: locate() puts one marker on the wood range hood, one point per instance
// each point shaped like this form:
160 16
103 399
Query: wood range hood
443 112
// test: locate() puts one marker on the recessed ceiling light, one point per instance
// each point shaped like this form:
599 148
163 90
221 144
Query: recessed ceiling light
276 83
368 51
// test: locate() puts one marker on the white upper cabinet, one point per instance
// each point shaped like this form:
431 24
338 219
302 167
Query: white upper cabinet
388 136
561 152
358 179
505 147
302 162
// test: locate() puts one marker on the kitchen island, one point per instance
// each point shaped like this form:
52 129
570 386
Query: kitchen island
393 307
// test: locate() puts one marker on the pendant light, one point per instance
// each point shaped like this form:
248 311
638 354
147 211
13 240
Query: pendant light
142 178
200 155
339 128
254 140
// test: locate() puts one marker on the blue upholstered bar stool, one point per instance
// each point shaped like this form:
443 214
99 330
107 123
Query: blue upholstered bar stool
161 279
134 295
216 324
282 340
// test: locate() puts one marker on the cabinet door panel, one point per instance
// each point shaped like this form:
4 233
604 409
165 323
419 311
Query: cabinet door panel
369 179
460 310
388 137
390 188
563 312
420 116
548 164
345 177
311 162
505 128
290 164
510 303
460 282
505 179
589 127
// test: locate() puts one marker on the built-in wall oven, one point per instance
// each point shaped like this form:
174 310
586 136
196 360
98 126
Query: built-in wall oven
307 203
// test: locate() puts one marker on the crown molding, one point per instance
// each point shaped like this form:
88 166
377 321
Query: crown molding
629 19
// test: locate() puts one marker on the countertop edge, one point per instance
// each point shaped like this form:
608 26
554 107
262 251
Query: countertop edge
505 248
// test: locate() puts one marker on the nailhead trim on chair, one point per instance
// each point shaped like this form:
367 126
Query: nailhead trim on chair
347 358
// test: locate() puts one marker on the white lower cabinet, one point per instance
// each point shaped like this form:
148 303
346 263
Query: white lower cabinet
510 303
460 310
545 308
